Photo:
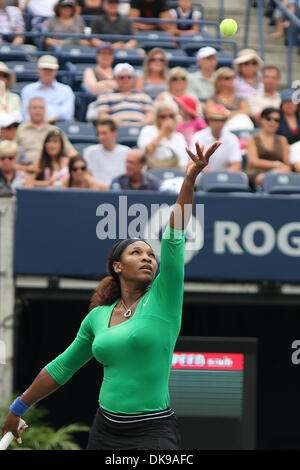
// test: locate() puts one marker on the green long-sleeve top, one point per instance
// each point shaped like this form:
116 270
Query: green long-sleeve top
136 354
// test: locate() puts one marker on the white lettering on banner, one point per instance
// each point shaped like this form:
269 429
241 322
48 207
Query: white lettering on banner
295 356
226 234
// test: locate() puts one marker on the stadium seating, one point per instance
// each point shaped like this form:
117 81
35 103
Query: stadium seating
78 131
224 182
128 135
166 173
281 183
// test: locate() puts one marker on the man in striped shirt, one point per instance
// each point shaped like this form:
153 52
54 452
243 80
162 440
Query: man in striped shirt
125 106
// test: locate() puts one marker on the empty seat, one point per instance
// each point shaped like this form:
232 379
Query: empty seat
24 70
128 135
281 183
224 182
166 173
78 131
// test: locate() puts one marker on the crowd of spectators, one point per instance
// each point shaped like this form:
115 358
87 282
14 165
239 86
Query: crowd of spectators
173 108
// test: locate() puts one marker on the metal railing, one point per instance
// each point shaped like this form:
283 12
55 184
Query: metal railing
260 16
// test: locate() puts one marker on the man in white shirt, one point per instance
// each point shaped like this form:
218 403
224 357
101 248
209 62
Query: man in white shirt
269 97
228 156
106 160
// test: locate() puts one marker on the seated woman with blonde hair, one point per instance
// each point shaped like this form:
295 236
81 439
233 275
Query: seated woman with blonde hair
225 95
153 81
164 146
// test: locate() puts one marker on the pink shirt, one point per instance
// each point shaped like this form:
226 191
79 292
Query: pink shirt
189 128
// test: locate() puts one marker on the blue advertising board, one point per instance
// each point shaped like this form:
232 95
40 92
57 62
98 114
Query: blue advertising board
230 237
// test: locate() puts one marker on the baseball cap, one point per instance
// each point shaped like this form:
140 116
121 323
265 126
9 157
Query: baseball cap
104 45
48 62
206 52
66 2
7 119
119 68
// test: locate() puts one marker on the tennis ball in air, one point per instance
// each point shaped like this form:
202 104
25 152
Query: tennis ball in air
228 27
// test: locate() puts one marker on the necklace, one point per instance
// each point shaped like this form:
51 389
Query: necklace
128 311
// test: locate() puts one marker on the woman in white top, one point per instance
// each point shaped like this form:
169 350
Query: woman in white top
164 146
9 102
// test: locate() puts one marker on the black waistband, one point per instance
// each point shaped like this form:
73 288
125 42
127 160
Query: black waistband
135 418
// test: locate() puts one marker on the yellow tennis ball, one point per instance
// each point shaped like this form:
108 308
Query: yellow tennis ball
228 27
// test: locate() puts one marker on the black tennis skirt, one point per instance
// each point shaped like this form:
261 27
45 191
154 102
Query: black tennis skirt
148 431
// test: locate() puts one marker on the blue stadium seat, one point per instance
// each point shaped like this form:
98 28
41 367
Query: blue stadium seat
10 52
147 40
75 54
177 57
81 146
128 135
224 182
78 131
131 56
24 70
166 173
281 183
18 87
245 133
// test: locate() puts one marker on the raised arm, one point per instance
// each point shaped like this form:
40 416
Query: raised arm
182 210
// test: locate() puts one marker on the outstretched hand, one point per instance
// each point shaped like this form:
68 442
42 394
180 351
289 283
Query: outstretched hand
199 160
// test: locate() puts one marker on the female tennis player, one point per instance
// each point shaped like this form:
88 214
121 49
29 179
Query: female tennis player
131 329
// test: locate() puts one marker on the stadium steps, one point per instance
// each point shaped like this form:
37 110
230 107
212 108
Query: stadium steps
275 50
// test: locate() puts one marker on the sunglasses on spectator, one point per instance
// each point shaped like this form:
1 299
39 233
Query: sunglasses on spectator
3 75
270 118
7 158
124 77
157 59
76 168
166 116
228 77
175 79
251 62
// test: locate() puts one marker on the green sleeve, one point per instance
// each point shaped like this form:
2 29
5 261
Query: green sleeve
75 356
169 283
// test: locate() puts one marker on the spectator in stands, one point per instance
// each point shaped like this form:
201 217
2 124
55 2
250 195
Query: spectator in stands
65 21
11 22
191 122
294 158
32 133
185 11
89 7
269 97
281 18
248 81
163 145
113 23
106 160
79 176
151 9
201 83
266 150
154 79
125 106
228 156
101 78
10 177
177 86
52 166
59 98
290 120
135 176
9 102
38 8
224 93
8 128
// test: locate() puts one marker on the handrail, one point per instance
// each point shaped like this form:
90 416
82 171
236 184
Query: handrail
260 14
294 22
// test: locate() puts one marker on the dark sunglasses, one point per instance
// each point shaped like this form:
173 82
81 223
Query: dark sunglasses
7 158
231 77
158 59
166 116
76 168
175 79
251 62
124 77
269 118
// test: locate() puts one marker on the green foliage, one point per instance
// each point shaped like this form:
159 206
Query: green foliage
40 435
